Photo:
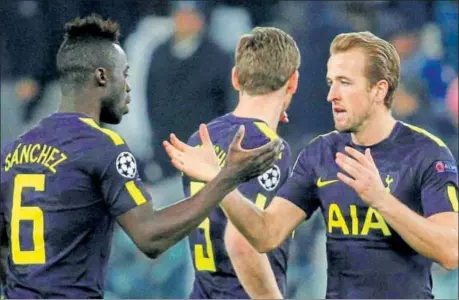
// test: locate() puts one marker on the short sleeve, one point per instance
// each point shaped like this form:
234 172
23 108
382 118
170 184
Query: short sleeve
300 187
121 187
263 188
439 183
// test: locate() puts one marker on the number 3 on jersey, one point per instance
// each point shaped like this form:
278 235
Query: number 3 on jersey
30 213
203 262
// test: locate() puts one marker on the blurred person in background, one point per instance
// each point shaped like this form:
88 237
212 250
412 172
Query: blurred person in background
188 83
310 115
24 49
452 102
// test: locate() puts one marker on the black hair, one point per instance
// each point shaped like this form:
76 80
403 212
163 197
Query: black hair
87 45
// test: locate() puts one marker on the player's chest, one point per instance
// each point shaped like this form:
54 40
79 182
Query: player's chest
346 213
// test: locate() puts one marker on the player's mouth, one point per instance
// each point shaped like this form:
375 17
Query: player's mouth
126 108
339 113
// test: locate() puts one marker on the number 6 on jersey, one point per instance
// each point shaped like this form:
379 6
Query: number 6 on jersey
34 214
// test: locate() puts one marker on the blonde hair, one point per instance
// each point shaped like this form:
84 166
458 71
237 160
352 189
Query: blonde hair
265 60
382 63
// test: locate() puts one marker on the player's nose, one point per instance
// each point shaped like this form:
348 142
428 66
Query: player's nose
333 94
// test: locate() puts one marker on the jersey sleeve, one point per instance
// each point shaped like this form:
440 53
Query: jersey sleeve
300 188
120 184
263 188
439 182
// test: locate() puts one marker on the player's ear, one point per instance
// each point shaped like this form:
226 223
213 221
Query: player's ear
292 84
381 89
101 76
235 79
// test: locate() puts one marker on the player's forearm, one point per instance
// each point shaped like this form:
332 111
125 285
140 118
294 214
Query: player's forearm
249 220
255 274
176 221
435 241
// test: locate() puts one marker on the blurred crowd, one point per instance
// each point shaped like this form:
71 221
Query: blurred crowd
181 54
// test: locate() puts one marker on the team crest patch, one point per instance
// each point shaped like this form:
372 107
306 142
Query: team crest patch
443 166
126 165
270 179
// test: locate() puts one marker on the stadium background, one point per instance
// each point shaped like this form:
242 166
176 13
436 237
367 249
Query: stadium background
175 88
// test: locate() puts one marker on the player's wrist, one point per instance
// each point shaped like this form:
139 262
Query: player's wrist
382 201
229 176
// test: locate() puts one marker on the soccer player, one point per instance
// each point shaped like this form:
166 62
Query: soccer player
225 264
65 182
387 190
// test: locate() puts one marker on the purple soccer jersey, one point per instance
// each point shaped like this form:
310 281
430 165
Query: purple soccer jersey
366 257
63 183
214 274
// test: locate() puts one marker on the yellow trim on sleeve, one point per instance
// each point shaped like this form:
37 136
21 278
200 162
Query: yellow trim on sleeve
135 193
452 196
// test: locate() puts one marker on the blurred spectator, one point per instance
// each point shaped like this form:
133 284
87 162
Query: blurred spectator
227 24
436 72
188 82
262 12
310 113
452 101
446 16
139 47
24 50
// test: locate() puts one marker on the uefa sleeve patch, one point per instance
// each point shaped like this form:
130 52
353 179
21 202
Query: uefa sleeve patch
126 165
270 179
444 166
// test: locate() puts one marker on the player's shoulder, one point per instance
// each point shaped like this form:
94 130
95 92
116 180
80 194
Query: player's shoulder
423 141
223 129
105 137
330 139
258 133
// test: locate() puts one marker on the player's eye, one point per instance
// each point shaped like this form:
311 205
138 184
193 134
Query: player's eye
344 82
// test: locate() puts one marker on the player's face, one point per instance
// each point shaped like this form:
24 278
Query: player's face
114 104
349 90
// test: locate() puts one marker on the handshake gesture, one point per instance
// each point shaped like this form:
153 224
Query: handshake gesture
201 162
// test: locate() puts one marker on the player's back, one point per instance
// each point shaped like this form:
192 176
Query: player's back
58 225
214 273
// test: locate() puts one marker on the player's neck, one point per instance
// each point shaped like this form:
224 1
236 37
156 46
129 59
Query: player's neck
80 104
375 130
267 108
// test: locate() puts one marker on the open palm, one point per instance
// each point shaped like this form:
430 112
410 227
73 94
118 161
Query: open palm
201 162
198 162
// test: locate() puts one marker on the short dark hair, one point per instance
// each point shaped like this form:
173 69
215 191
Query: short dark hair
87 45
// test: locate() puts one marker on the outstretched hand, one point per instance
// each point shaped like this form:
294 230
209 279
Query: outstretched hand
198 162
248 164
201 162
